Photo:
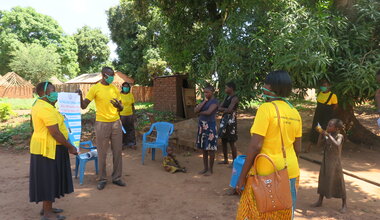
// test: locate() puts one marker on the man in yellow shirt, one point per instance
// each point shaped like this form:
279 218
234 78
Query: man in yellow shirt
108 129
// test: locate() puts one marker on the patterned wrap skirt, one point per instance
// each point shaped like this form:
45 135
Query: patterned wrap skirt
247 209
50 179
207 137
228 128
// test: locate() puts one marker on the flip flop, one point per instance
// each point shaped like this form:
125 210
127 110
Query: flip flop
55 210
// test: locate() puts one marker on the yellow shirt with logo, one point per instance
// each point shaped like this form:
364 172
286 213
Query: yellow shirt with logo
127 100
266 125
103 94
44 115
322 98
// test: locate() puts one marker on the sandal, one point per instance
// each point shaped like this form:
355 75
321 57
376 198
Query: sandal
55 210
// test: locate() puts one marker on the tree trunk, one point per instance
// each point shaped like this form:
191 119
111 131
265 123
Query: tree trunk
356 132
346 7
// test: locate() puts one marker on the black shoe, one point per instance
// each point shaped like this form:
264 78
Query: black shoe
119 183
101 185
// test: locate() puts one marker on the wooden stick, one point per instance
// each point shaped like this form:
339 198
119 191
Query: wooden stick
344 171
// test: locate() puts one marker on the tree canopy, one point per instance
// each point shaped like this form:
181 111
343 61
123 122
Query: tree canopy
215 41
93 51
135 28
26 26
35 62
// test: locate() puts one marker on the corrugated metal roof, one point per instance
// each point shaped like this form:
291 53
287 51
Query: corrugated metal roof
86 78
92 78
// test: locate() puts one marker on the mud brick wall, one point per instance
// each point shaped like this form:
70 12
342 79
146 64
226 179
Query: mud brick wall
167 94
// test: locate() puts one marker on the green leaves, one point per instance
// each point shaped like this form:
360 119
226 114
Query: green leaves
26 26
136 28
93 51
35 62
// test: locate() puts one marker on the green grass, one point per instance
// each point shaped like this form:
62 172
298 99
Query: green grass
19 104
19 131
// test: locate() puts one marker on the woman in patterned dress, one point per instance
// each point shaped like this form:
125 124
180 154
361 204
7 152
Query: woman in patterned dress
206 136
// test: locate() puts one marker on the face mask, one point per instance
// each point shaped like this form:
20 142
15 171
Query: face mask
267 97
126 89
52 97
323 88
109 79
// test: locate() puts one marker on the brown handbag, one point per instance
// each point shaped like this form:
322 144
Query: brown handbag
272 192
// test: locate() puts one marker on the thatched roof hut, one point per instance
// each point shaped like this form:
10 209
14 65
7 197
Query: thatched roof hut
55 80
14 86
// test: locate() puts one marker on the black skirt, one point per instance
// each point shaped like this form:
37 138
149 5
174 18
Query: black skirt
50 179
323 114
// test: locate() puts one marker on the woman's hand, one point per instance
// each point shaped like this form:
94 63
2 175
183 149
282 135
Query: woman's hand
240 185
73 150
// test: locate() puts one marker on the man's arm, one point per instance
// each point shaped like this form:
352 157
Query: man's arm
83 103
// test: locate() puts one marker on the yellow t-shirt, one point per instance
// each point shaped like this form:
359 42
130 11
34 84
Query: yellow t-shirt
103 95
127 100
266 124
322 98
44 115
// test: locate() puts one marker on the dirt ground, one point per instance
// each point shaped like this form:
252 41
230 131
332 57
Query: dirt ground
151 193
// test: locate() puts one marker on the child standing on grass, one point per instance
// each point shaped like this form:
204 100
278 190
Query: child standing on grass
331 181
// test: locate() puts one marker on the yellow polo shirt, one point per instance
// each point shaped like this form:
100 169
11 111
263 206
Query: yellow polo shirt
266 124
127 100
103 94
44 115
322 98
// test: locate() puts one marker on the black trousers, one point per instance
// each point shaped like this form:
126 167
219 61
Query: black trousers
129 138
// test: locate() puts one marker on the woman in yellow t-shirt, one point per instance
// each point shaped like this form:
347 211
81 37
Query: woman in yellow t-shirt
266 139
50 171
127 116
327 102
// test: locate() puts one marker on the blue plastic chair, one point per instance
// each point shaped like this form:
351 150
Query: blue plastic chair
164 130
80 162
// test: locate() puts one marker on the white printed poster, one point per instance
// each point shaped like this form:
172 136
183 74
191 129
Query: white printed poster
69 107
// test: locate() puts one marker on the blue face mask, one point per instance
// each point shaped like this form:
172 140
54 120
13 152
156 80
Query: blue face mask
126 89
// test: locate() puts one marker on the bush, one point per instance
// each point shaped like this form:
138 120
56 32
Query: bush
11 133
5 111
